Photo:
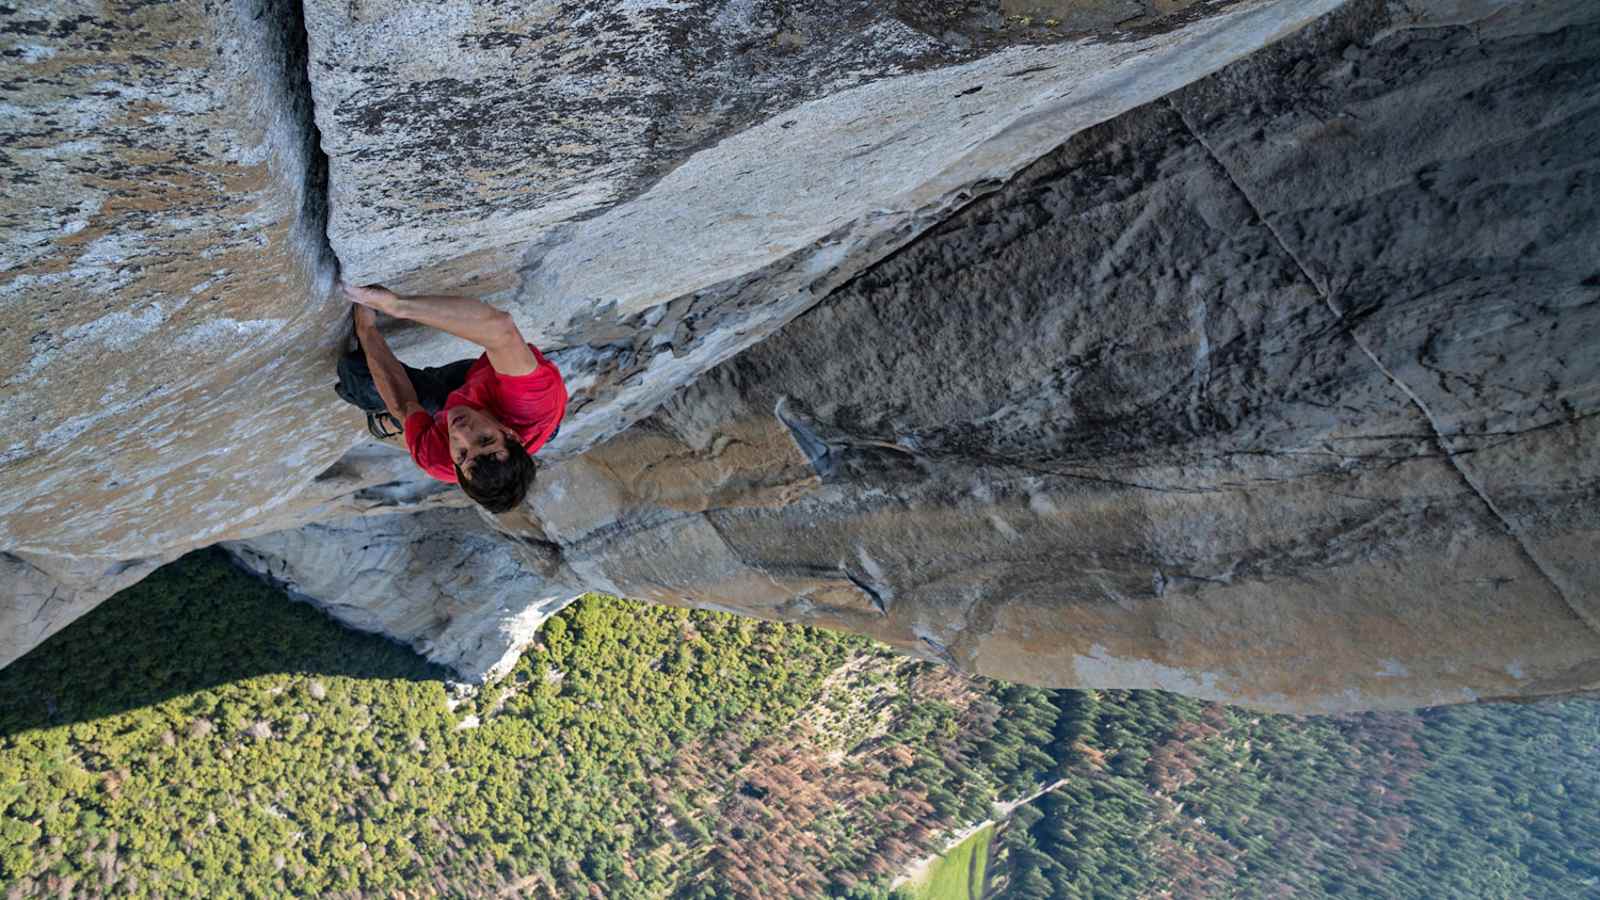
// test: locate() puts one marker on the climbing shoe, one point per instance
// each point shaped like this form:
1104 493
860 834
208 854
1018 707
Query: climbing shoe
383 426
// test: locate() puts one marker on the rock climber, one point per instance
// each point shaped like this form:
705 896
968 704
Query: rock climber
475 422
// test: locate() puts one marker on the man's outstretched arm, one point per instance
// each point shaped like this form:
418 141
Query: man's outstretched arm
393 384
467 318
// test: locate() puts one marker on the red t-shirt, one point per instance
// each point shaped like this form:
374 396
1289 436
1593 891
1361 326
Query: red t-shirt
531 405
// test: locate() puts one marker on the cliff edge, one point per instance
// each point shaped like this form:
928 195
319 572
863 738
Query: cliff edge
1238 349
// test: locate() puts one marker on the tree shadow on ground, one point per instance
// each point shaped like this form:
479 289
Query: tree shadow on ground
194 624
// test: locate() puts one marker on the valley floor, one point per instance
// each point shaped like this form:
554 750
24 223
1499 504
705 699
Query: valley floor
200 736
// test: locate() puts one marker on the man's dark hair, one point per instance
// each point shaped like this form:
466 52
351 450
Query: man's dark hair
499 485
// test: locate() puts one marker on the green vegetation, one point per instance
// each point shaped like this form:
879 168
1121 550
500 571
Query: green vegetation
1168 796
957 875
198 735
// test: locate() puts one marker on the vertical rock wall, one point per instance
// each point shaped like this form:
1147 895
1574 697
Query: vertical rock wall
454 590
1277 388
655 188
1278 391
651 189
162 231
163 272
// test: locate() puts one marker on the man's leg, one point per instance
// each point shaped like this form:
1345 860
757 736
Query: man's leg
356 387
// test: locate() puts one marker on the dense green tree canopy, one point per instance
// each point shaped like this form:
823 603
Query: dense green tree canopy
198 735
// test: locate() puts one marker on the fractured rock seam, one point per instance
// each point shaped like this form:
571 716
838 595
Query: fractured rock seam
1439 437
286 63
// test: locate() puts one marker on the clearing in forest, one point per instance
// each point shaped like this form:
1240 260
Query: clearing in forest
957 875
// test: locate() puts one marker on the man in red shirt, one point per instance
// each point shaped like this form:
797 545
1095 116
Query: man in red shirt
485 433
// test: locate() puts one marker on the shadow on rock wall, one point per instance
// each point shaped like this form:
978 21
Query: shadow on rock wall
194 624
1279 391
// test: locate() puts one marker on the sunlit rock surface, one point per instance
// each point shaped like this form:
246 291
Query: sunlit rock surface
457 592
655 187
1148 417
1274 387
167 324
42 594
163 271
1278 391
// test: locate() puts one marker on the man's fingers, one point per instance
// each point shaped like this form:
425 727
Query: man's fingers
357 295
370 295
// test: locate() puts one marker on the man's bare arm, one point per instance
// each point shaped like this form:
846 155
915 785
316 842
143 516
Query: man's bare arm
467 318
394 386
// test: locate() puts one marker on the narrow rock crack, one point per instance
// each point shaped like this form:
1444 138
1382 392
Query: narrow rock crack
281 54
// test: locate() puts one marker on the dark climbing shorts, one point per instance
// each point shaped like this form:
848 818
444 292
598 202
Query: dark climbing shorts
433 385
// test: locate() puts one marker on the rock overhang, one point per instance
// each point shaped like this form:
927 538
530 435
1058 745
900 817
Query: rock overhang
636 327
170 322
791 198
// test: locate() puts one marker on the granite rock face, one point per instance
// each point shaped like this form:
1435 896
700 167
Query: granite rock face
456 591
1275 392
653 188
1144 360
1279 391
695 177
163 278
43 594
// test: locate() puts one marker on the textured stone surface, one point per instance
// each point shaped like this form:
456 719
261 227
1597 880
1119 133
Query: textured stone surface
1276 390
1475 288
42 594
1148 417
165 319
163 268
451 584
654 188
160 262
460 136
1151 417
440 581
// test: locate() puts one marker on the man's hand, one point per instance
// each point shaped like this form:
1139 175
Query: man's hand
492 329
372 296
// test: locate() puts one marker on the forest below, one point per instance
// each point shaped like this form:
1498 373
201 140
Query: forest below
198 735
